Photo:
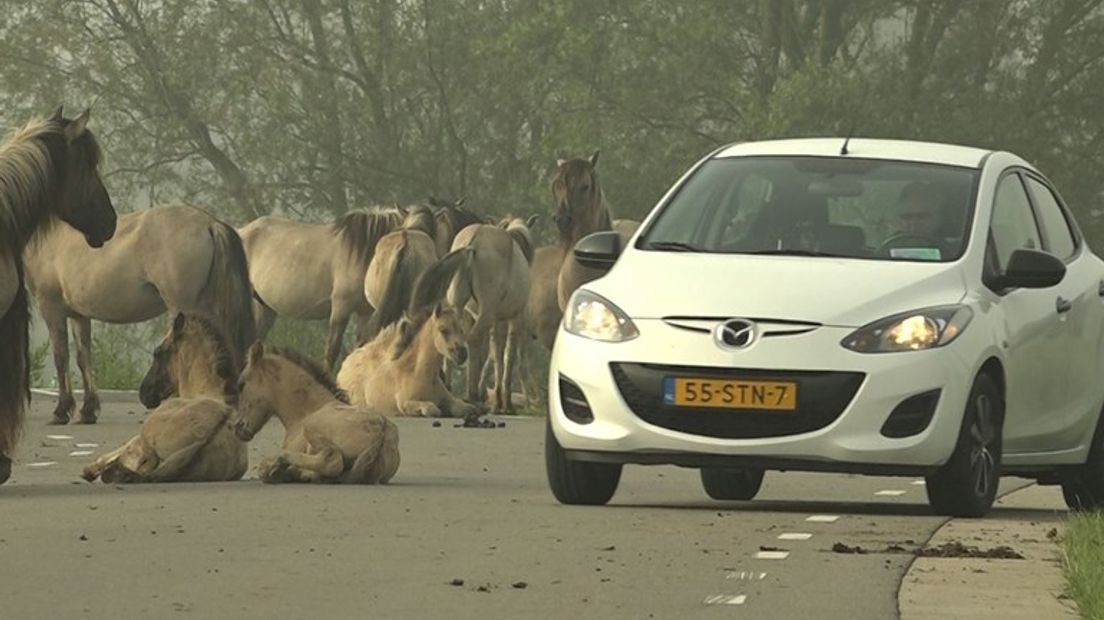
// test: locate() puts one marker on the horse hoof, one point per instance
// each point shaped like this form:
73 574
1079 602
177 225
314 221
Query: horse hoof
5 468
86 419
59 420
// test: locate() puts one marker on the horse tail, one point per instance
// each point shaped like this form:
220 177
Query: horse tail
432 285
373 465
396 295
228 293
15 365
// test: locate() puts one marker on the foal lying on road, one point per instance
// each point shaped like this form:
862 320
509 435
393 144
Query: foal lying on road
326 439
185 439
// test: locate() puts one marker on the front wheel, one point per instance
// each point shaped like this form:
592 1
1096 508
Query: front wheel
731 483
577 482
967 485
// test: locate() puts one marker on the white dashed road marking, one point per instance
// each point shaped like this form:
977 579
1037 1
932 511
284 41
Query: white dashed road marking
919 483
725 599
823 519
795 536
59 436
746 575
42 464
772 555
88 445
890 492
80 453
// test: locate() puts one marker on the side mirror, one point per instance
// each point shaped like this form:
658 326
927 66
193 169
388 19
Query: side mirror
598 250
1031 269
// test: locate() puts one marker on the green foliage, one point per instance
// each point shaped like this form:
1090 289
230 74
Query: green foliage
1083 545
306 337
39 356
120 356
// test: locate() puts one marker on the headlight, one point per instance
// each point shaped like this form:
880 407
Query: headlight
591 316
911 331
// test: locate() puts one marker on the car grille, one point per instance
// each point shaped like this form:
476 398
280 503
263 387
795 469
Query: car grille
821 398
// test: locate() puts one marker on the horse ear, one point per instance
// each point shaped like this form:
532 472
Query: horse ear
437 311
560 161
76 127
404 327
594 159
256 352
57 115
532 220
460 202
178 322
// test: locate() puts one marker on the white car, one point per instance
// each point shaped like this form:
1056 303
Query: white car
868 306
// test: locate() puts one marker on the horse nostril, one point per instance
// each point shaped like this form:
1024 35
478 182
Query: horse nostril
461 356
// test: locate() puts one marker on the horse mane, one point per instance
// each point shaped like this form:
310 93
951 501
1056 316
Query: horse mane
361 230
224 357
313 369
421 218
457 218
32 165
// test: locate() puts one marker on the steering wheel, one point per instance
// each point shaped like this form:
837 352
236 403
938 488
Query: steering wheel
896 240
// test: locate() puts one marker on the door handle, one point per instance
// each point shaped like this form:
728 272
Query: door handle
1063 305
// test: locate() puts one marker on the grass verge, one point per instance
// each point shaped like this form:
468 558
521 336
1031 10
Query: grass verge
1083 545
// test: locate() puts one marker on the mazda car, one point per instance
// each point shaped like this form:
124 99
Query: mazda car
867 306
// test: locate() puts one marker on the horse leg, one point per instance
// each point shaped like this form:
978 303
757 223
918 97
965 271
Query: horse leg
104 461
499 343
362 319
59 342
339 320
510 362
418 408
82 332
326 462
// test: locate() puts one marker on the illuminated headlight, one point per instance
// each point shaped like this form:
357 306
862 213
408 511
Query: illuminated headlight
911 331
591 316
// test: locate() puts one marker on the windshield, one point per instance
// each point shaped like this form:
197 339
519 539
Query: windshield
819 206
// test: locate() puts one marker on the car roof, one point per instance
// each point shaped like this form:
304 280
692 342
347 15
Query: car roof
867 148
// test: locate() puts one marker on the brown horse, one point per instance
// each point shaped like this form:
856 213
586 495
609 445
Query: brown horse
325 439
451 218
48 169
400 257
177 258
315 271
493 285
190 438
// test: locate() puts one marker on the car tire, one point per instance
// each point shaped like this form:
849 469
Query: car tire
731 483
966 485
578 482
1083 486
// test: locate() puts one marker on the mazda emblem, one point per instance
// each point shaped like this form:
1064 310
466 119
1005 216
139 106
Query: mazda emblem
735 334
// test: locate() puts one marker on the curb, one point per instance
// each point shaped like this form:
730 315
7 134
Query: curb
106 396
1030 521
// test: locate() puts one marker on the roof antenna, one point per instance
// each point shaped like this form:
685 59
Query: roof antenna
843 149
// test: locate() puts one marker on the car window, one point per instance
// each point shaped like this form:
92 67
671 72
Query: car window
1056 230
1013 225
834 206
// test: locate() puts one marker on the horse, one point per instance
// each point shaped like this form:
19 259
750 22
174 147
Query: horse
451 218
398 373
189 438
401 256
492 283
49 170
315 271
325 438
176 257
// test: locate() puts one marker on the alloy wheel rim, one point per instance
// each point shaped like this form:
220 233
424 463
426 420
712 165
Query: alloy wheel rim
983 433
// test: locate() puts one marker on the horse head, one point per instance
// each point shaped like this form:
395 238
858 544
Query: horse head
255 389
577 198
193 359
83 200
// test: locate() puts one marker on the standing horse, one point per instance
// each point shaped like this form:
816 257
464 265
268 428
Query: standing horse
190 438
178 258
493 284
325 438
315 271
451 218
401 256
48 169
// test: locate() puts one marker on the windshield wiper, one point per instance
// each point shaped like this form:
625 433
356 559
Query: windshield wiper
676 246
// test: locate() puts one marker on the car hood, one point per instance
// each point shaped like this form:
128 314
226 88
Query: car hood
829 291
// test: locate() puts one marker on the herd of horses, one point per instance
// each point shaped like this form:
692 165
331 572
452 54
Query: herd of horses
433 287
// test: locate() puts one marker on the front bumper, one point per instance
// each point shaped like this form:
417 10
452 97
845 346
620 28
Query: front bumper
632 427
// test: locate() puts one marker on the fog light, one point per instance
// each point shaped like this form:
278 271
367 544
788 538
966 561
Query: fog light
912 416
573 403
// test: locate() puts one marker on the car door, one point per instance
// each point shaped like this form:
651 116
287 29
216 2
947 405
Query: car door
1079 294
1033 328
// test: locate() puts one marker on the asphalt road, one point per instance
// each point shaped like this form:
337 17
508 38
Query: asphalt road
466 504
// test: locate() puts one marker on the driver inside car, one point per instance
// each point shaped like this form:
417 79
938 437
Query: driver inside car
920 222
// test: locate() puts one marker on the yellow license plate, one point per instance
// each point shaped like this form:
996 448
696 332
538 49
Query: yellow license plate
730 393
